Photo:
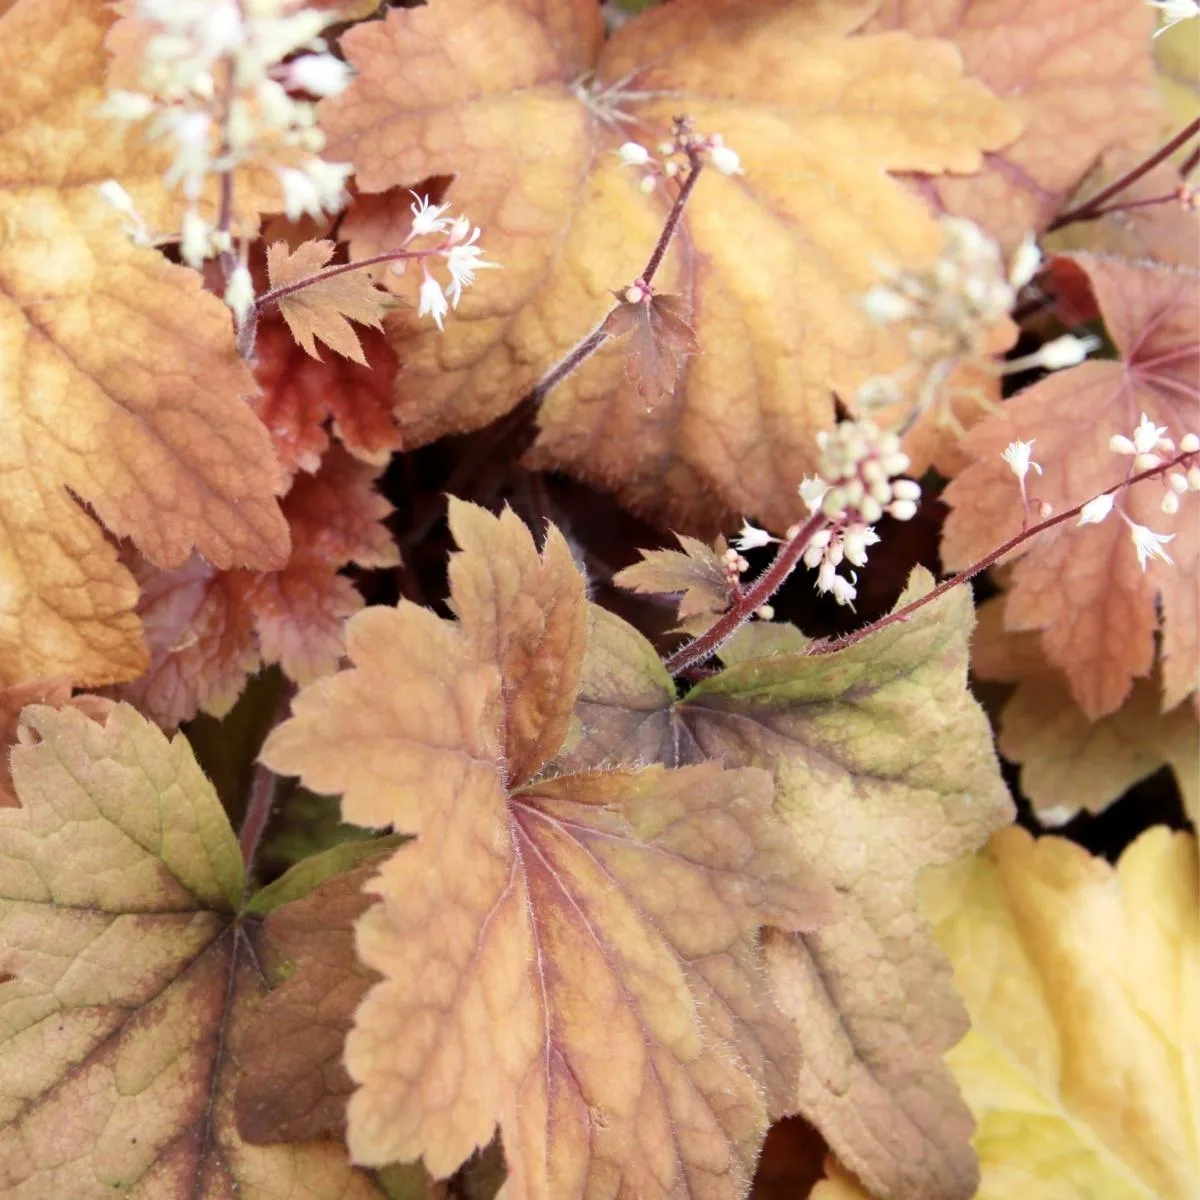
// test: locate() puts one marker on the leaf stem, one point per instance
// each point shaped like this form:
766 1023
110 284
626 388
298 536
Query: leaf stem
902 614
276 294
1090 209
263 786
594 340
749 602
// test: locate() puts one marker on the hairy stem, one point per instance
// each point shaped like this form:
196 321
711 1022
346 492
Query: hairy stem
594 340
752 598
1089 210
902 614
276 294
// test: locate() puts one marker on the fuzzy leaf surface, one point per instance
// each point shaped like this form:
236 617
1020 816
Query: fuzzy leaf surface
770 264
883 765
119 381
324 309
589 976
128 979
1097 610
696 573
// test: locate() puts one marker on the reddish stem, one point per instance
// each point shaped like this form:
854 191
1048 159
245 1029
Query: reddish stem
1088 210
258 812
902 614
749 602
276 294
597 337
1128 205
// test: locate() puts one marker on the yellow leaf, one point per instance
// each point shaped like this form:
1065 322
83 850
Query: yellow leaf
589 975
1083 984
525 104
320 309
119 382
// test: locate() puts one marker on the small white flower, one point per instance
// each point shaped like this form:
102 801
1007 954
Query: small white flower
114 195
1144 462
1120 444
812 492
633 154
1170 503
725 160
462 261
433 301
239 293
329 178
1177 482
843 590
1017 455
319 74
1025 263
856 540
193 239
901 510
908 489
1149 544
752 538
1146 435
127 106
427 218
1066 351
300 193
1174 11
1189 443
1094 511
884 306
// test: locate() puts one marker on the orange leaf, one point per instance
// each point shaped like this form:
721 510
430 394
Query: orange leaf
208 629
320 310
119 379
771 263
299 393
1081 77
1082 587
589 976
696 572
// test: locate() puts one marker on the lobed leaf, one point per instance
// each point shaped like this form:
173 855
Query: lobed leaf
883 766
128 978
1097 610
119 381
588 976
770 264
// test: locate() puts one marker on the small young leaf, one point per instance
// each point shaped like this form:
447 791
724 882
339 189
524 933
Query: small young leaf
697 572
587 973
320 310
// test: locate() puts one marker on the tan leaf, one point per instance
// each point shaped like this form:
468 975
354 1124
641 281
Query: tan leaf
129 979
1068 762
320 310
119 382
589 976
696 572
771 264
1082 587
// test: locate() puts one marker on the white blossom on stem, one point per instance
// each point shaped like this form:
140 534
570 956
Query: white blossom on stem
432 301
1148 543
462 261
752 538
633 154
1094 511
426 217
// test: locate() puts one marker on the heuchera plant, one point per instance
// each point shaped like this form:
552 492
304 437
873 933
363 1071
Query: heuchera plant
377 821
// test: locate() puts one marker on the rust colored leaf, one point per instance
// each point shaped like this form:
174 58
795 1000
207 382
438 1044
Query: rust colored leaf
770 263
588 977
883 765
324 309
696 572
1068 762
1081 77
119 380
129 979
298 394
660 339
1082 587
208 629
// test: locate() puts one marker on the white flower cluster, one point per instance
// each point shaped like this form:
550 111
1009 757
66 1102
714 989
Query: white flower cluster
1174 11
215 85
463 257
856 488
675 154
1145 446
950 310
